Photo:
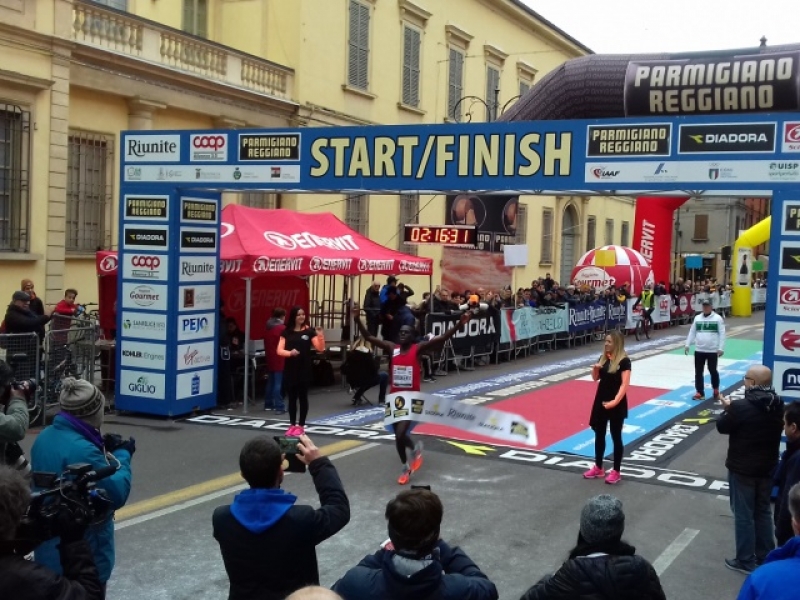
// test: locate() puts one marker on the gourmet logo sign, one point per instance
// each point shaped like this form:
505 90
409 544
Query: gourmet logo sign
139 296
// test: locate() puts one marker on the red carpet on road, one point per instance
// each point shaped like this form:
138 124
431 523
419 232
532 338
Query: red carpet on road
558 411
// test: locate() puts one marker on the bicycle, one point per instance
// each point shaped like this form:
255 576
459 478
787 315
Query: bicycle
642 323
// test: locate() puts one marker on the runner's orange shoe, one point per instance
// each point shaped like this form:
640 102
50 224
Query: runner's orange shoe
416 462
405 476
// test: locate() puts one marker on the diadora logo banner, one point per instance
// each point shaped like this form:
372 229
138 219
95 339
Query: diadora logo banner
208 148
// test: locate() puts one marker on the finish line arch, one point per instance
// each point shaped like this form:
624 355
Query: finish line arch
172 181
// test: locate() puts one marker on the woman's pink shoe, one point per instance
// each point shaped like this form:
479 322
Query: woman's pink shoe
613 477
292 431
594 473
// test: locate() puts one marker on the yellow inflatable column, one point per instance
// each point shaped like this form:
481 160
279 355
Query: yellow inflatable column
741 305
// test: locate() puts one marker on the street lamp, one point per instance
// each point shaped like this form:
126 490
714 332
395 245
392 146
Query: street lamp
494 110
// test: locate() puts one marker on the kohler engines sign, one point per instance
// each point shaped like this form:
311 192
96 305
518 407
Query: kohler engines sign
732 84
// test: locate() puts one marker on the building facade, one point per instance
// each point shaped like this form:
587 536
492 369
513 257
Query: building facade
78 72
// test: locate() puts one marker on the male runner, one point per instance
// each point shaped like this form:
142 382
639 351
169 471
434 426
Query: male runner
404 376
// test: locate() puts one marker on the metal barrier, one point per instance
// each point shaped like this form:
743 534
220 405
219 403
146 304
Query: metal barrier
22 352
69 350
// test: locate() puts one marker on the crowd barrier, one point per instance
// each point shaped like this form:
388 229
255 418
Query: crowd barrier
521 331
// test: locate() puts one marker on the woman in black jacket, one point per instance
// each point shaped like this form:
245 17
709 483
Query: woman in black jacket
601 566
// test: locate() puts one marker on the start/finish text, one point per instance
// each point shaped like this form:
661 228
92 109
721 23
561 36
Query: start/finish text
467 155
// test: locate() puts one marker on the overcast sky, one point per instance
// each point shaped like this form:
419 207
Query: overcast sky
632 26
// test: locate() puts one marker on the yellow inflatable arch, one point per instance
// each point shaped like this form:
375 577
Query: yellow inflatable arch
742 266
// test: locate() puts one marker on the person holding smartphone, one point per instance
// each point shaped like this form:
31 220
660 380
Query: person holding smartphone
268 542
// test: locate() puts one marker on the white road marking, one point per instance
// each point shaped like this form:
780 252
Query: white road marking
218 494
671 552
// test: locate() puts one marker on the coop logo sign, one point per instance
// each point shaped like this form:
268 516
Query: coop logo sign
734 84
152 148
308 240
431 155
727 138
145 266
208 147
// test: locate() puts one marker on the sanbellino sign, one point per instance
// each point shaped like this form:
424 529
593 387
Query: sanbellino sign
750 83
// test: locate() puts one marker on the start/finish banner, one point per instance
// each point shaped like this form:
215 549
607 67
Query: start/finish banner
429 408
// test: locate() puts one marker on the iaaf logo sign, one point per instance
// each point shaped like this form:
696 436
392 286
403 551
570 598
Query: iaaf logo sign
334 265
307 240
208 148
604 173
381 266
108 264
413 266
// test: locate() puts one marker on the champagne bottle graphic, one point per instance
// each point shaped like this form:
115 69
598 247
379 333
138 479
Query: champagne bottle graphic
744 271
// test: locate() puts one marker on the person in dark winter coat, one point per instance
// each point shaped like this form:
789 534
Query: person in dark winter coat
601 566
754 426
416 563
788 473
267 542
21 579
372 307
21 319
14 420
776 579
273 399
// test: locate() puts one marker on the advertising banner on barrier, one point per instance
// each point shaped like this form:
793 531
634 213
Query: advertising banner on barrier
430 408
479 332
758 296
525 323
584 317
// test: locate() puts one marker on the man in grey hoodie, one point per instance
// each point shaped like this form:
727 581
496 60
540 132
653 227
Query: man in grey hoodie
268 543
753 425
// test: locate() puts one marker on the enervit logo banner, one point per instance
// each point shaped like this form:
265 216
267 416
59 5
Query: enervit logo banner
652 232
194 383
197 355
143 384
196 326
144 296
208 147
143 355
153 267
148 326
152 148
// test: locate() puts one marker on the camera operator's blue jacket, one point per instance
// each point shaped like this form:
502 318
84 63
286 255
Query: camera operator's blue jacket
60 445
453 576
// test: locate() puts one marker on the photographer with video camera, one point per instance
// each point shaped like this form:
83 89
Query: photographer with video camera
22 579
13 419
268 543
75 438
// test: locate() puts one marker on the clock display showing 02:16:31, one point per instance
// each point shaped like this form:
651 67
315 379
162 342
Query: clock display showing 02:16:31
441 234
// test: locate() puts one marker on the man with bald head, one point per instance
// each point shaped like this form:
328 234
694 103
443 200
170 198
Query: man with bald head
753 425
314 592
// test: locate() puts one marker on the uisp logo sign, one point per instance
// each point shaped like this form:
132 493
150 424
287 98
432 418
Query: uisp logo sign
142 384
196 326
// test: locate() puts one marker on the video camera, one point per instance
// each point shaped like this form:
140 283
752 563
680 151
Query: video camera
72 498
474 304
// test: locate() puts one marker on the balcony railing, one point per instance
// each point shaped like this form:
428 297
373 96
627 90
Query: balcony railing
126 34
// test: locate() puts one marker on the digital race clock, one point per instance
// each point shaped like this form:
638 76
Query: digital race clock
446 235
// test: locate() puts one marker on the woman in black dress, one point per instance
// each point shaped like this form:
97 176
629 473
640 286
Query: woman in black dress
610 407
296 345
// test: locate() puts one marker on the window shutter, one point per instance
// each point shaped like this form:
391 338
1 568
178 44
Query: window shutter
609 232
363 46
700 227
411 45
352 55
522 224
524 87
492 83
625 233
455 83
591 233
547 236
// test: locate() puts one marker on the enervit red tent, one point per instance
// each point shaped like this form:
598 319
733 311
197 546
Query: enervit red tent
257 242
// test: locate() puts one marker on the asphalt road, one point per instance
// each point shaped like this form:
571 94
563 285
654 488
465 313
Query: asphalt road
516 515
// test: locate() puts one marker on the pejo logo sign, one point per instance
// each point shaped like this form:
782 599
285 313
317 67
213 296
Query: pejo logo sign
208 147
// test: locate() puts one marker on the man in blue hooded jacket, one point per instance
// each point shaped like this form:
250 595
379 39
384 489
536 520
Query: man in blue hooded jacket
268 543
416 563
776 579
